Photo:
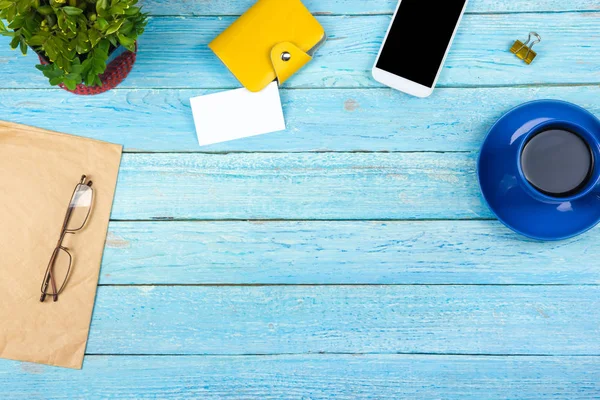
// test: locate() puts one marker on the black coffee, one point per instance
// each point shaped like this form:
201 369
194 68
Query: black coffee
557 162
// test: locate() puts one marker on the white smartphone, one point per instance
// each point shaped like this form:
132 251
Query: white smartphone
417 43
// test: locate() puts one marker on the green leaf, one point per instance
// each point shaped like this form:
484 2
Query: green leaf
32 24
103 46
126 28
114 27
11 12
51 71
77 67
101 5
72 10
62 21
102 24
3 27
50 50
51 20
90 78
132 10
37 40
113 40
95 63
14 43
17 23
82 43
56 81
63 63
45 10
54 74
23 6
94 37
126 42
73 76
71 84
118 9
5 4
70 23
23 46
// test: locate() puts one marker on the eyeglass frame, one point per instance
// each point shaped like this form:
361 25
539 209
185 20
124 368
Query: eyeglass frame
49 276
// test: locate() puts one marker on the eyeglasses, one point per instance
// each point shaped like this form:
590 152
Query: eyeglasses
61 261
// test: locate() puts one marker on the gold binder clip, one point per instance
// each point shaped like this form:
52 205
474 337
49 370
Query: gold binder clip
523 51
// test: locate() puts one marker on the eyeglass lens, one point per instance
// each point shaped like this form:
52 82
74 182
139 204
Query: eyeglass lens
59 268
79 207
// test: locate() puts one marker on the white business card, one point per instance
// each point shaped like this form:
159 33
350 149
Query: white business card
236 114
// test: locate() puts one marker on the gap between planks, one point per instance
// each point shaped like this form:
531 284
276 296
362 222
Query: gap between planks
341 88
228 152
338 284
407 220
328 354
378 14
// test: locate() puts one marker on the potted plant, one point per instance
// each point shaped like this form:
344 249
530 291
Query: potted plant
85 46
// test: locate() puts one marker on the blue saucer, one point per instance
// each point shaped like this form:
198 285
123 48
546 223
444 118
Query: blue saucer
508 194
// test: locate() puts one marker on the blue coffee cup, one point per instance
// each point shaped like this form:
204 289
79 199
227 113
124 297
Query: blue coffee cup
563 166
539 170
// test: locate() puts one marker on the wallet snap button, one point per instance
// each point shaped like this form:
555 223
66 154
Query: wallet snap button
286 56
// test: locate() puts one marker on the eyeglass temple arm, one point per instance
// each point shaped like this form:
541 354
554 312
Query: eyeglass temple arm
45 287
82 181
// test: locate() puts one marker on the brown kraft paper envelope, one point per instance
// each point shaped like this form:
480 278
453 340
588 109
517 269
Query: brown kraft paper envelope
38 172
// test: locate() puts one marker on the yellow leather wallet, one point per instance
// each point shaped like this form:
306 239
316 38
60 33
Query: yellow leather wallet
273 39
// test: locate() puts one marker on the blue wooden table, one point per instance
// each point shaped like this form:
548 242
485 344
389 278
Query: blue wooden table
349 256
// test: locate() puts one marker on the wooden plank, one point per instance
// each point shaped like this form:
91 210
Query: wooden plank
358 7
317 120
418 252
173 53
231 320
299 186
309 377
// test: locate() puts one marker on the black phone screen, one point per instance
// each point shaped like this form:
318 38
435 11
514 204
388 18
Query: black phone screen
419 38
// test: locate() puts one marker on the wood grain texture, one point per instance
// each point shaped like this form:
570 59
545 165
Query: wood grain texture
309 377
231 320
354 7
514 296
299 186
174 54
412 252
317 120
